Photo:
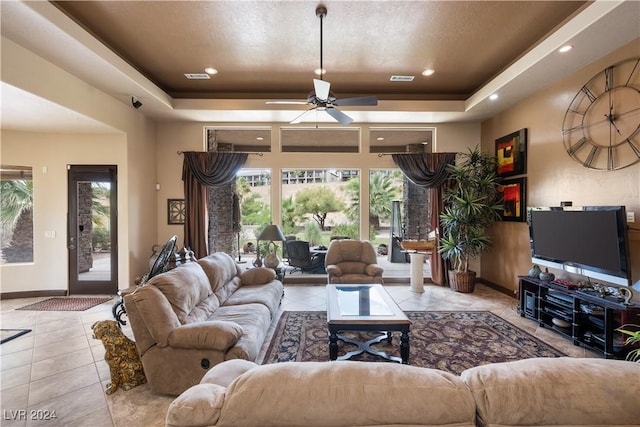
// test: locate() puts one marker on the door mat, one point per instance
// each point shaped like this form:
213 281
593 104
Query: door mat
446 340
10 334
66 304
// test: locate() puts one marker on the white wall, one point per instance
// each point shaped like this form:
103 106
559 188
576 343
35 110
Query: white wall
130 145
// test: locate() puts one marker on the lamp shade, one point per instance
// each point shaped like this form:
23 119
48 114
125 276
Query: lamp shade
272 232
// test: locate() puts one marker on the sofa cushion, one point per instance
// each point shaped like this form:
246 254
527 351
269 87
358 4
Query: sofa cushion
215 335
346 394
226 372
156 314
257 276
255 320
268 295
556 391
197 406
223 274
185 288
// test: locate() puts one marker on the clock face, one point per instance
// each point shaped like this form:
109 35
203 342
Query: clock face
601 127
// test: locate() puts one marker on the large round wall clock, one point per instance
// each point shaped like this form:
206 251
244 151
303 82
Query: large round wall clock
601 127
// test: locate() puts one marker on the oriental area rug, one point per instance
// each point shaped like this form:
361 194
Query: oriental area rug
450 341
66 304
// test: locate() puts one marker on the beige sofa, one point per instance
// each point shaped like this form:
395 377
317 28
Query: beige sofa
191 318
533 392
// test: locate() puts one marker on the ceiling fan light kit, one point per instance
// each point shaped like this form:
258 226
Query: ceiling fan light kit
322 99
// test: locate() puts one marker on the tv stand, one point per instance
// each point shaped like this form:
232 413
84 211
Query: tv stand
584 317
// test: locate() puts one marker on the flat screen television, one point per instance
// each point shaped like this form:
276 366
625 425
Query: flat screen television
590 241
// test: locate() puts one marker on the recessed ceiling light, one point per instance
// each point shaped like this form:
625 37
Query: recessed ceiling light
428 72
493 96
259 138
317 71
380 138
210 70
565 48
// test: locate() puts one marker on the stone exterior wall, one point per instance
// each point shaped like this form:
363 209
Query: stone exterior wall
416 211
221 235
85 226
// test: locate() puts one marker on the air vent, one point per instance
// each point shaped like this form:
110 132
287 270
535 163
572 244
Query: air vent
401 78
197 76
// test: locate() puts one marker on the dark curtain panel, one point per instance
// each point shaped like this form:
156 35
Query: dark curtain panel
430 170
199 171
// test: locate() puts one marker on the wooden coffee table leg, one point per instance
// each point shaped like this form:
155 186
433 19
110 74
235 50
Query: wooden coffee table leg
404 347
333 345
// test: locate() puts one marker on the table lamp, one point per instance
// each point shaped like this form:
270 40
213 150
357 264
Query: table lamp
271 232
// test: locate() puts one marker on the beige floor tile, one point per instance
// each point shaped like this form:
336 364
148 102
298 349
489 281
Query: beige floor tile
60 347
69 406
15 377
14 399
62 383
15 359
22 343
62 363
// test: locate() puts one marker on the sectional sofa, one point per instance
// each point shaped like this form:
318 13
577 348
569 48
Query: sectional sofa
533 392
193 317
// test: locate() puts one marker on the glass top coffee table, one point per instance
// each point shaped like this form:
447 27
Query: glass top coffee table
365 308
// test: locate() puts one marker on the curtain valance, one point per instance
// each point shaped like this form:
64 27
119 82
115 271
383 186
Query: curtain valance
210 168
425 169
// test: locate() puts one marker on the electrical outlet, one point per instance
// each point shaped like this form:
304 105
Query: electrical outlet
631 217
50 234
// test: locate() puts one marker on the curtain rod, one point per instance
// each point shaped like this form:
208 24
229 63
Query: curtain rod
399 152
257 153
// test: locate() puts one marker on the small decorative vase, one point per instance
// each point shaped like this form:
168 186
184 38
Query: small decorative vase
271 259
535 271
546 276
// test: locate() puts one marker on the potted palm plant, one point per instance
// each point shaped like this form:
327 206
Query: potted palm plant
633 339
471 204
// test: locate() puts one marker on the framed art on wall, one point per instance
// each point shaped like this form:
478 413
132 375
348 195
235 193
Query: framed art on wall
514 199
175 211
511 153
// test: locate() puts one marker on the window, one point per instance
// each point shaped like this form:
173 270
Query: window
16 212
254 189
320 203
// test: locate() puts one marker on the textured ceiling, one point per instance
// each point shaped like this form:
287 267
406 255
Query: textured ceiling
272 47
267 50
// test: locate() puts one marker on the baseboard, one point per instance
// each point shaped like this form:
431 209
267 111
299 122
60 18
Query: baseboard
509 292
33 294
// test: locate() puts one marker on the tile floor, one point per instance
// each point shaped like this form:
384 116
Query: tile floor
60 367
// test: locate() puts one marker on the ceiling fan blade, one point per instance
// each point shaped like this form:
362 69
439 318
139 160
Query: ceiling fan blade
286 102
301 116
322 89
361 100
339 116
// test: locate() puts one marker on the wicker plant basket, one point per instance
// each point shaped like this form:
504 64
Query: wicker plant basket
461 281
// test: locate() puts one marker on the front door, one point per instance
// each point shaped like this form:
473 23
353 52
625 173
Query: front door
92 229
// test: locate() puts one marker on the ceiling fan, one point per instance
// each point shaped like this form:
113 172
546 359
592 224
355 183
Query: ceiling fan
322 98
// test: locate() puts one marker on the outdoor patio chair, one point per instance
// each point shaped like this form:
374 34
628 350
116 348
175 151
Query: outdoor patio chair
300 258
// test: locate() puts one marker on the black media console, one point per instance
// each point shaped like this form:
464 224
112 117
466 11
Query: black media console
581 315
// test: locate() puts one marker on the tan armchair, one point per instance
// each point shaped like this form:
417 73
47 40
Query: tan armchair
352 261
